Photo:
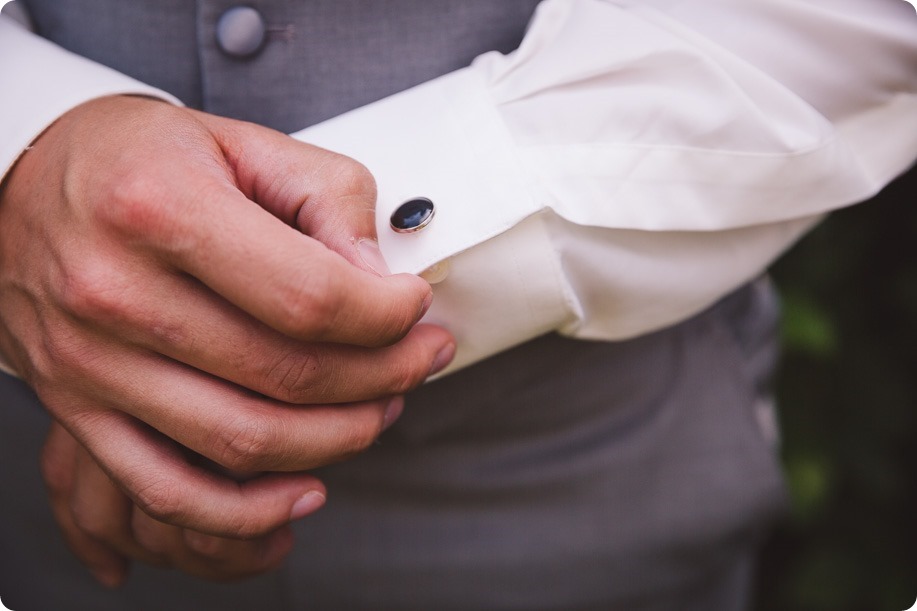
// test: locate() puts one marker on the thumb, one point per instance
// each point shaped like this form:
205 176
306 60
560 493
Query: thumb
326 195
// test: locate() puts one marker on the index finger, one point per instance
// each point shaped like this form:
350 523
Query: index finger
159 478
290 281
324 194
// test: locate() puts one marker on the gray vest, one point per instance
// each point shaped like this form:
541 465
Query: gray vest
558 475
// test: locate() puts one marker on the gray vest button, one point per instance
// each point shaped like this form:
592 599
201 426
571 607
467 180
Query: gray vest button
241 31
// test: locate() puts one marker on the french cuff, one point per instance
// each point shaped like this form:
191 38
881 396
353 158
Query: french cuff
44 81
503 287
504 291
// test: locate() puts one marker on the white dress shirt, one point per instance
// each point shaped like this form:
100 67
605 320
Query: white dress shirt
631 163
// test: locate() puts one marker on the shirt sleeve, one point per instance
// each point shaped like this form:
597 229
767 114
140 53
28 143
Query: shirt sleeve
41 81
633 162
627 166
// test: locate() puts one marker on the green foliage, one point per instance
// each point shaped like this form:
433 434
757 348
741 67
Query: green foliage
847 390
807 327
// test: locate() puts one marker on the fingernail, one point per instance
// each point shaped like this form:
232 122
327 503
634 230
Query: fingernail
443 358
427 302
392 412
306 504
110 578
371 256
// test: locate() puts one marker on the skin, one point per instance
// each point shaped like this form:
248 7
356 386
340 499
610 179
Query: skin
194 298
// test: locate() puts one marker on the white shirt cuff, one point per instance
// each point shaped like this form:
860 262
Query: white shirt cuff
616 174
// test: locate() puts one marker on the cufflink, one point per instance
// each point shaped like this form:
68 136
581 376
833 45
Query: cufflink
413 215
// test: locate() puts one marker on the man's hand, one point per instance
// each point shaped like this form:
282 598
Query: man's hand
170 278
106 530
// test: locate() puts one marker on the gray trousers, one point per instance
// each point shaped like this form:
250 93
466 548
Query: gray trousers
560 475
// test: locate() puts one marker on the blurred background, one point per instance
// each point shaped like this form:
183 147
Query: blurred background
847 391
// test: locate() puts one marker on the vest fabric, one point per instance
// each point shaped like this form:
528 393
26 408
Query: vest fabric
558 475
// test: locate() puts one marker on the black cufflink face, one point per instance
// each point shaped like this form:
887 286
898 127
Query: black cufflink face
413 215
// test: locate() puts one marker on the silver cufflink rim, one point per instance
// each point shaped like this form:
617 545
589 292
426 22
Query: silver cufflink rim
423 223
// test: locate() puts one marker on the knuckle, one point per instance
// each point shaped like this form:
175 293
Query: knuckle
93 294
135 205
294 377
205 545
246 528
357 439
361 181
351 178
310 309
407 379
247 446
167 331
64 355
149 537
92 290
89 521
140 207
56 473
161 499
